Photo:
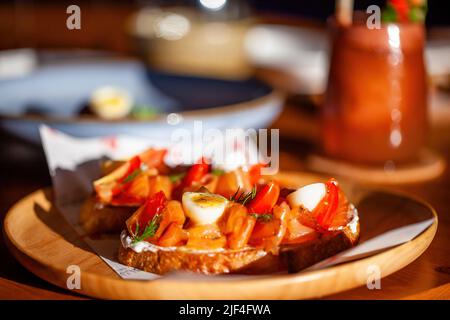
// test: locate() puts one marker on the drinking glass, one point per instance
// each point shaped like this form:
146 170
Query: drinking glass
375 107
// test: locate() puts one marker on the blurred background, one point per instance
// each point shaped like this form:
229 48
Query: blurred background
197 55
158 57
285 43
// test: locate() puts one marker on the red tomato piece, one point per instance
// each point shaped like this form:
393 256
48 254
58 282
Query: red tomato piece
122 183
255 173
154 205
265 198
326 210
195 173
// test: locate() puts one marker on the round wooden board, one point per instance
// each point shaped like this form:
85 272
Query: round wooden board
46 244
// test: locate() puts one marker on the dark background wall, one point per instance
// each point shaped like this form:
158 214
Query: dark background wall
41 23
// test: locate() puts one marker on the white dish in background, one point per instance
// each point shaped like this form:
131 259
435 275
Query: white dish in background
301 53
16 63
55 95
437 57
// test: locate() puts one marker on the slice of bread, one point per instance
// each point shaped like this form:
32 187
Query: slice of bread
162 261
97 219
292 258
301 256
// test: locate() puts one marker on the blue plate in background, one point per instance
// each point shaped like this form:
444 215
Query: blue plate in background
55 94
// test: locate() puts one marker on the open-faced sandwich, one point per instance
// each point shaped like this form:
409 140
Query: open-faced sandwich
125 186
205 219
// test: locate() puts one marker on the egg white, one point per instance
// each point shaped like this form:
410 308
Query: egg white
308 196
203 208
101 102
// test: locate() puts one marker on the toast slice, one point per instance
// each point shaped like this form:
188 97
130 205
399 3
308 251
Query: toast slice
292 258
301 256
97 219
161 260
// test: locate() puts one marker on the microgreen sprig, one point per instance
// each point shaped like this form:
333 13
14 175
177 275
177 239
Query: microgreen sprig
176 177
149 230
132 176
265 217
218 172
243 197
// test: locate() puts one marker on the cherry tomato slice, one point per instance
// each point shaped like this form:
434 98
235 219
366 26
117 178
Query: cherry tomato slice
133 165
196 173
154 205
255 173
342 217
265 198
327 209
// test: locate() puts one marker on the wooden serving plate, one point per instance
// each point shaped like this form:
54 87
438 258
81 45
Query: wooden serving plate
46 244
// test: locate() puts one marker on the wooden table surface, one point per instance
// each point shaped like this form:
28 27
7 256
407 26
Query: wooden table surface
24 170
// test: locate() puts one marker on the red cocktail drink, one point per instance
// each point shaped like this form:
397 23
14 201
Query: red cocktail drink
375 106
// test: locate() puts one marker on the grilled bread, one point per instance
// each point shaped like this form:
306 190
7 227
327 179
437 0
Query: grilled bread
161 260
96 219
292 258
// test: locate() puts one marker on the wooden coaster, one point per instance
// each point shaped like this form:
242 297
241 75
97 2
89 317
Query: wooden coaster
429 166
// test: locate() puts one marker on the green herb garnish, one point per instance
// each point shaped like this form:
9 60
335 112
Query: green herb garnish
132 176
217 172
149 230
265 217
176 177
243 197
144 112
405 11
